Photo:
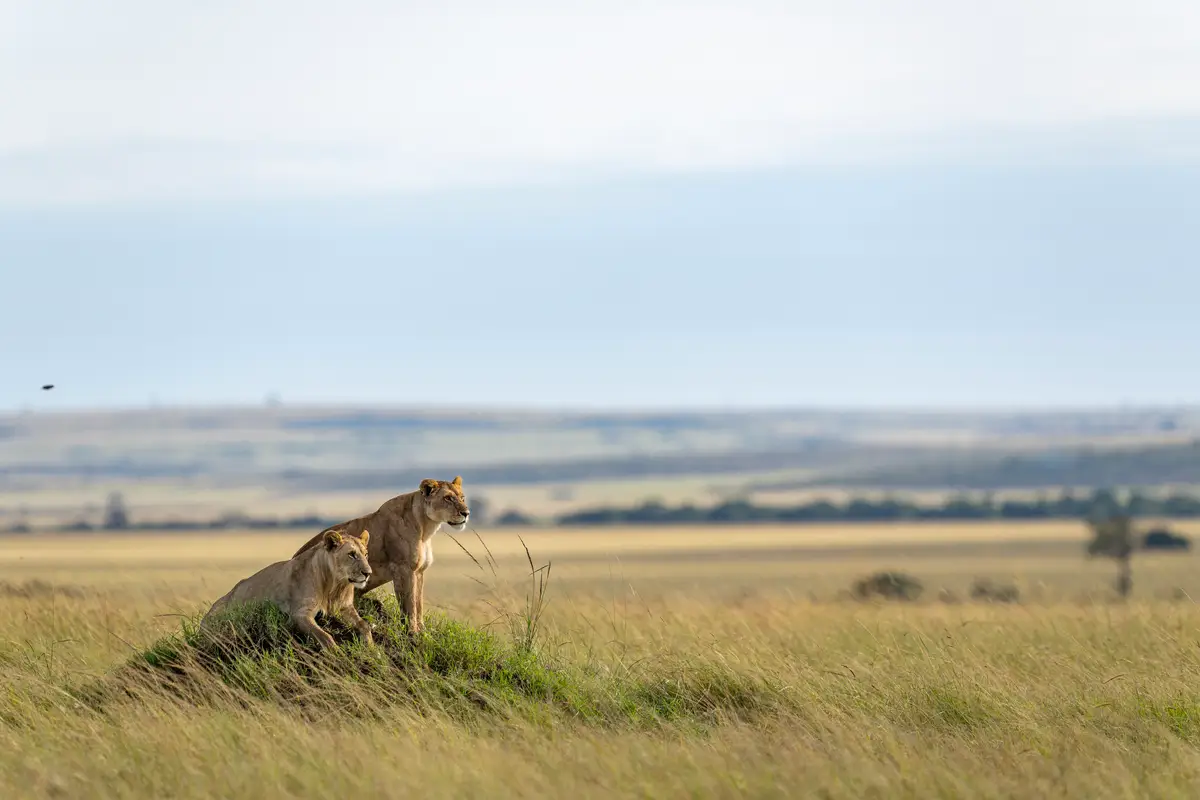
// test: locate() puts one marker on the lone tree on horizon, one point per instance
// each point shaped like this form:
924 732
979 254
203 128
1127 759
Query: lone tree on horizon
116 517
1113 537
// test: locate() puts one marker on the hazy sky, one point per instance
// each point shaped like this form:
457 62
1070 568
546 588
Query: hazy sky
702 203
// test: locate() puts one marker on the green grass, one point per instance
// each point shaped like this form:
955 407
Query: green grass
451 669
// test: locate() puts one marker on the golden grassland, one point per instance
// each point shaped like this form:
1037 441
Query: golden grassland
788 688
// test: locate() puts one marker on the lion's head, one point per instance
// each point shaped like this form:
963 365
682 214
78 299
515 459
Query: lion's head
445 503
348 557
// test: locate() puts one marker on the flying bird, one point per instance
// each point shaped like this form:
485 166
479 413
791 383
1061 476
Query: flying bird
47 387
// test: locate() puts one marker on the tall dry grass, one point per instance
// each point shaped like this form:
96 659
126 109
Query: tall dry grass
716 686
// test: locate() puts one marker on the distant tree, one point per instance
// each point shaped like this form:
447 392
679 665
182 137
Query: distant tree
480 509
1104 504
1113 537
1180 505
513 517
22 524
115 515
1139 505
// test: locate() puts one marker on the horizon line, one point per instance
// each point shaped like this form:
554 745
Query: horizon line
443 408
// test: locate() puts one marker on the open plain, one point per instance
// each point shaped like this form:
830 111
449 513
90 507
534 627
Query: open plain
703 661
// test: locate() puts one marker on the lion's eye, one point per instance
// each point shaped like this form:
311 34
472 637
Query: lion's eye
353 555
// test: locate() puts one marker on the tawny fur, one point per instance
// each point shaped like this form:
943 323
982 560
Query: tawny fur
401 550
319 579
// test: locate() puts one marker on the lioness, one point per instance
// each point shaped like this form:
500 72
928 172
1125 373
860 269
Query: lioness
320 579
401 549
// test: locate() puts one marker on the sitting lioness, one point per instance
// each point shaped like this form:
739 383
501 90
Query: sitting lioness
401 549
322 579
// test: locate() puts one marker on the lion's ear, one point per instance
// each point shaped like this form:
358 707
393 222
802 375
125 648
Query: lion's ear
457 481
428 486
333 539
366 537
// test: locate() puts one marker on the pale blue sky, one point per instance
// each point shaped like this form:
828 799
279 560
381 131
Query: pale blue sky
682 208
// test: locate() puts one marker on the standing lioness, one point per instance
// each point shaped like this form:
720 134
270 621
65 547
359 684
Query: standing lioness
401 549
321 579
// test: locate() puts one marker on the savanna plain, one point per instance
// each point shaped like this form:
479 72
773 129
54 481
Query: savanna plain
658 662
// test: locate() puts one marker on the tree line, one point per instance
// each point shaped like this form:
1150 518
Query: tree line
1066 505
1099 503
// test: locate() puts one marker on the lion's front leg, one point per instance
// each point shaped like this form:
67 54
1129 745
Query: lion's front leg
350 614
305 620
405 585
419 588
419 598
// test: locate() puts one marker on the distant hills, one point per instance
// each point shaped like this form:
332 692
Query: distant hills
345 449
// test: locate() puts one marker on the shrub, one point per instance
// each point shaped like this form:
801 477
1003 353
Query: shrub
1165 539
987 590
889 586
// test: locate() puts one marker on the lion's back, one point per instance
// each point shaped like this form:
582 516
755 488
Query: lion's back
389 520
358 523
275 582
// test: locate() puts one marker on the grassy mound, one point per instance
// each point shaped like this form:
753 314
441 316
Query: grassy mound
451 669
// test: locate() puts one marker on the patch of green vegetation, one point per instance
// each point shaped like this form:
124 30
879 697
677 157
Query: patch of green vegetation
705 692
955 709
933 706
453 668
1181 717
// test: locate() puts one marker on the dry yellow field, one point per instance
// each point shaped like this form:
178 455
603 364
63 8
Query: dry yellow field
1067 693
806 560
